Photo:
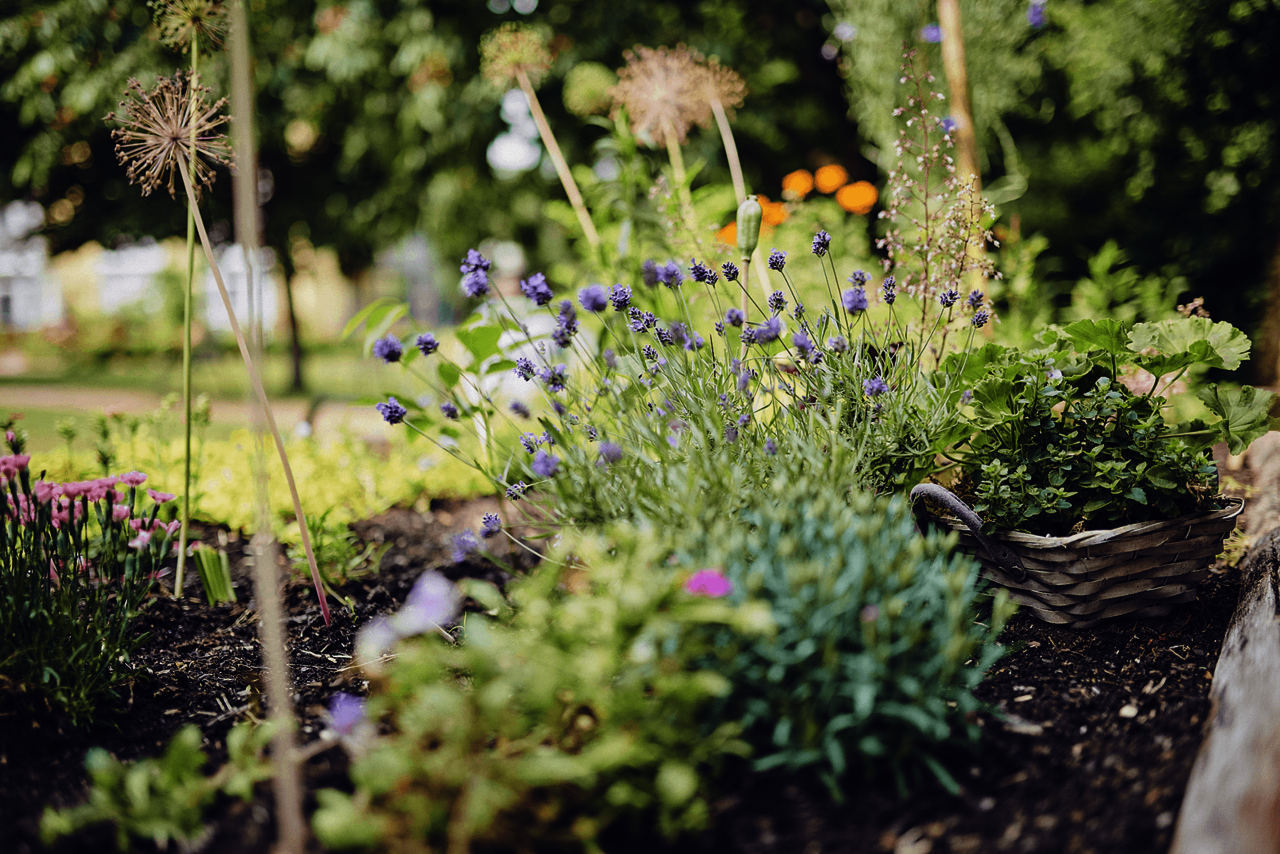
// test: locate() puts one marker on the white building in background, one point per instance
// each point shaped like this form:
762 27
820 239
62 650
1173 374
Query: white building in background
29 296
127 276
260 300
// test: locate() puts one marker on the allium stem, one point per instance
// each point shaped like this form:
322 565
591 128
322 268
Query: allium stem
180 575
256 380
730 147
562 167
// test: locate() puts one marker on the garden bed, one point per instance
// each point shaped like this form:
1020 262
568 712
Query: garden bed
1089 745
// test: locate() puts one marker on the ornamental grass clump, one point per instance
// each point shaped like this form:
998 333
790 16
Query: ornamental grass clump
878 644
77 559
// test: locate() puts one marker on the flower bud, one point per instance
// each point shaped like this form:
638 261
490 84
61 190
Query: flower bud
750 214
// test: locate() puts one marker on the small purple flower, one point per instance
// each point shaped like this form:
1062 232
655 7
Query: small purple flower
730 271
593 298
427 343
516 490
559 408
610 359
869 613
546 439
700 272
649 353
859 278
720 328
464 545
392 411
854 300
802 343
888 290
777 302
434 600
748 335
536 288
1035 14
649 273
777 260
975 299
821 243
771 447
620 296
931 33
475 284
875 387
346 712
474 261
769 330
966 396
798 311
450 411
490 525
545 465
837 344
609 453
679 335
554 377
524 368
948 124
730 434
520 409
734 317
694 342
980 318
671 275
388 349
948 298
708 582
664 336
635 319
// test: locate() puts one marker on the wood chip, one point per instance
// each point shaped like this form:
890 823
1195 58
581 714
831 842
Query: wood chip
1129 711
1023 698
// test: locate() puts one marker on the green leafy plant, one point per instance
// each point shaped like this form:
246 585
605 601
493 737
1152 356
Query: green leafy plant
163 799
878 643
574 708
215 574
1060 440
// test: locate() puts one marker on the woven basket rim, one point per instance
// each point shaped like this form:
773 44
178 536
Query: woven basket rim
1095 536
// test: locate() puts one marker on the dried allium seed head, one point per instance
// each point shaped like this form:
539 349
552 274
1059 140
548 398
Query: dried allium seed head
513 48
179 21
673 89
157 131
724 84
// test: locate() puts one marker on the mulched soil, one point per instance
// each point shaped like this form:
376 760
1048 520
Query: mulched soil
1090 735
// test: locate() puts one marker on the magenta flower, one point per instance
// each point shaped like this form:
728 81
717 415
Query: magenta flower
119 513
133 478
141 541
160 497
708 582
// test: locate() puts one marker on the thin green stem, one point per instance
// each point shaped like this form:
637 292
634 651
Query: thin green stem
180 574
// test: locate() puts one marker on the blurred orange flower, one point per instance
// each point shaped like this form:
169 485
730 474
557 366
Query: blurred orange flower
797 184
858 197
728 235
775 213
831 178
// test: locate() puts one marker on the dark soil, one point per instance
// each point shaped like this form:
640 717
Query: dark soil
1090 737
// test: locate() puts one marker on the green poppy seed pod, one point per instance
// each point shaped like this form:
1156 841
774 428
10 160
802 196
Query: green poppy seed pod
750 215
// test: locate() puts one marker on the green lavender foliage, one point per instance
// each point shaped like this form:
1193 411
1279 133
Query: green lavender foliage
575 709
878 643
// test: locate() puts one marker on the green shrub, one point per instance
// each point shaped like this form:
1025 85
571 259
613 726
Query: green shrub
878 643
549 723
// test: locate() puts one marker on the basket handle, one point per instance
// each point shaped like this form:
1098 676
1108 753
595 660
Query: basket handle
1002 555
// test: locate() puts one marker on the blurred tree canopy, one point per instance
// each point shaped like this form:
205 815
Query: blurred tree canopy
373 119
1150 122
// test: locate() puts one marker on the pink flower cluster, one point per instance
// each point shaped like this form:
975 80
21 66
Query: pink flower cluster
11 465
66 510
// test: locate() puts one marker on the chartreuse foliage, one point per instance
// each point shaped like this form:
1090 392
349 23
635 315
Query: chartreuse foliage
578 707
163 799
1061 439
878 644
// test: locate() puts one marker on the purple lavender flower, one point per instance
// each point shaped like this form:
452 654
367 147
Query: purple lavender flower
593 298
948 124
734 317
679 335
524 368
720 328
346 712
858 278
975 299
649 353
464 545
730 434
769 330
434 600
966 397
664 336
887 289
777 260
948 298
520 409
490 525
554 377
475 284
649 273
635 319
559 408
980 318
392 411
1035 14
670 275
610 453
566 324
536 288
546 439
777 302
748 335
837 344
730 271
449 410
771 447
516 490
931 33
700 272
610 359
427 343
855 300
545 465
744 419
798 311
802 343
620 296
388 349
875 386
821 243
694 342
474 261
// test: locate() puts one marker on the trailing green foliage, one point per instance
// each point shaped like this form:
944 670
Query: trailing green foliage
579 707
878 643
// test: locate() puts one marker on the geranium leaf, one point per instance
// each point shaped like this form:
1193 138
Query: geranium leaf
1107 335
1244 413
1217 345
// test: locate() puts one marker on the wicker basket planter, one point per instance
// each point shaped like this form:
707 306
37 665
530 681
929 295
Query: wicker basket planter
1080 580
